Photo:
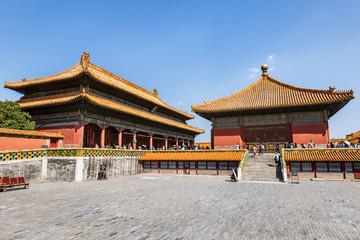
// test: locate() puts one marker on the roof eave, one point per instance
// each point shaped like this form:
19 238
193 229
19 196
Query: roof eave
207 114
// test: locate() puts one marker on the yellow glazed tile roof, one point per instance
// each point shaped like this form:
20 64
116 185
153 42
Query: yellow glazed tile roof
105 103
267 92
17 132
337 154
200 155
101 75
354 137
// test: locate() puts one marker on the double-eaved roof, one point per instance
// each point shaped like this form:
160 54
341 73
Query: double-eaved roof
268 93
63 88
100 75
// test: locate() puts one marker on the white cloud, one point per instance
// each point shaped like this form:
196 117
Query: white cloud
271 69
270 57
253 72
180 103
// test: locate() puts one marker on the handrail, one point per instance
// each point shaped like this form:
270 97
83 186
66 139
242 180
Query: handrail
242 165
283 165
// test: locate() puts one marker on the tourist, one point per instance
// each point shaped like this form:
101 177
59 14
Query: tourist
96 145
276 159
277 148
261 147
237 146
202 147
254 150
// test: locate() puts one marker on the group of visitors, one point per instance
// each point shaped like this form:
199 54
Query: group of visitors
261 149
144 147
310 144
193 147
343 145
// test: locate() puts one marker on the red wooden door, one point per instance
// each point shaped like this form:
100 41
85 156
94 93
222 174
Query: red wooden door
53 143
186 167
249 134
282 134
260 134
270 134
356 170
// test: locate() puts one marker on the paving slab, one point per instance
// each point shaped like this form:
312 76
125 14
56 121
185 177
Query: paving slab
181 207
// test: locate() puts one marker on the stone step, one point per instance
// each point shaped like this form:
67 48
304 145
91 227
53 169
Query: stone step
261 168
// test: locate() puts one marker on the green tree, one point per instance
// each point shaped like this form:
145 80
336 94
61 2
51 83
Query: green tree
11 116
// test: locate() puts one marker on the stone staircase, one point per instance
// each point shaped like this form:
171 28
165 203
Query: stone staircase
262 168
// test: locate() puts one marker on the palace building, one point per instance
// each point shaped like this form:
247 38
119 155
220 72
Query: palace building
90 106
270 112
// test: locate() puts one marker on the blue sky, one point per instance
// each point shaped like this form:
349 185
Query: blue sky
189 50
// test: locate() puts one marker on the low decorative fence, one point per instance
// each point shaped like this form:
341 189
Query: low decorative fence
66 152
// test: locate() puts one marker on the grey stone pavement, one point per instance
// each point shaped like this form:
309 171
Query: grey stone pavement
181 207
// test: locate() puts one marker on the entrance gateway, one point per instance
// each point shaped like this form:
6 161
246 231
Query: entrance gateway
270 112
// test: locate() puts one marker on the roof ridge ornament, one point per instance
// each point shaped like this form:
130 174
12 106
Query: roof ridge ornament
85 60
331 89
264 69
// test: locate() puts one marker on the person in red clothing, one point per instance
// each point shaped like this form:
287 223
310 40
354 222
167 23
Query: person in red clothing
202 148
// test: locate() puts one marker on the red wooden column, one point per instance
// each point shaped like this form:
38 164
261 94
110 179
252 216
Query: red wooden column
151 141
166 142
90 137
108 136
102 141
134 140
120 138
81 134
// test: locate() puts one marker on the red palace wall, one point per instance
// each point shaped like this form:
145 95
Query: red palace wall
318 133
72 134
226 138
20 143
